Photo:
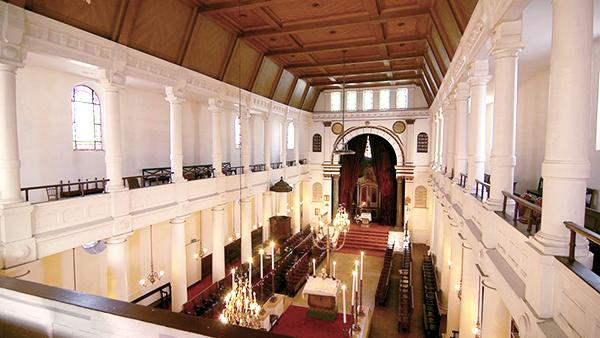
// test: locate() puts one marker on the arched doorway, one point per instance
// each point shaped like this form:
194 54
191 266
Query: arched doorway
367 181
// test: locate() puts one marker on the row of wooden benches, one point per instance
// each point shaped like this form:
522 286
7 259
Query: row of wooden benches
384 278
431 316
405 290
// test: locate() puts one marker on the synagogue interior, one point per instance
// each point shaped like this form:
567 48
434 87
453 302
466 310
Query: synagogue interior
300 168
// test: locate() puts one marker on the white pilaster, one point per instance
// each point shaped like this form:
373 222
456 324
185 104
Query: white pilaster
117 256
453 318
267 212
216 108
178 264
246 131
175 98
506 48
218 243
267 140
246 210
460 122
450 128
283 140
470 291
478 79
112 83
10 165
495 319
566 167
410 141
297 131
296 212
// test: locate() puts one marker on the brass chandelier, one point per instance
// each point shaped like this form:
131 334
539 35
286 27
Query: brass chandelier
327 236
153 276
241 307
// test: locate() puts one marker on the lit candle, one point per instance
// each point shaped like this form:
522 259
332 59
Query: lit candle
334 263
261 252
353 285
250 270
314 267
232 276
362 260
356 267
272 255
344 302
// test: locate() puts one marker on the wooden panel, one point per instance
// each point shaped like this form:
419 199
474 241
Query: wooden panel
431 63
99 17
446 24
310 99
249 59
209 48
463 9
441 56
316 10
265 80
340 34
296 97
286 81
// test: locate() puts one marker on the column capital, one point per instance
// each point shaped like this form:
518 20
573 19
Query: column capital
12 56
461 92
112 80
478 73
410 121
215 105
245 113
506 41
448 107
174 95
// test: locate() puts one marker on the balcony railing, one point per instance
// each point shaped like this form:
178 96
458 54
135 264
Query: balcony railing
276 165
303 161
485 190
525 212
291 163
257 167
462 180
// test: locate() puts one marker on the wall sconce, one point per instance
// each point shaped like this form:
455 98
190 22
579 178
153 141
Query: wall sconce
449 264
204 251
196 256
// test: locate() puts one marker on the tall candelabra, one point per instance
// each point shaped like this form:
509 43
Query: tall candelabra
326 237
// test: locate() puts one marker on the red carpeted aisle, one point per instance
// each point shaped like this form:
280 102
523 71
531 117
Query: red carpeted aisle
372 240
294 322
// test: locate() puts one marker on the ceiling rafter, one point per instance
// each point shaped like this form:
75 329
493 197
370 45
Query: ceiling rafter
362 73
126 26
188 36
336 23
232 6
395 78
376 84
355 61
341 46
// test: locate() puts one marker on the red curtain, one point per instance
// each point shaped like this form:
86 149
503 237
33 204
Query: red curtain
350 171
383 163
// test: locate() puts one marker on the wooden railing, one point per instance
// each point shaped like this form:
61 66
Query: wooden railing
257 167
303 161
276 165
462 180
291 163
485 189
529 212
65 190
576 229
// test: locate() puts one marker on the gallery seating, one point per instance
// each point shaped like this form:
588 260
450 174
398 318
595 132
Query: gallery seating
405 290
431 316
384 278
295 277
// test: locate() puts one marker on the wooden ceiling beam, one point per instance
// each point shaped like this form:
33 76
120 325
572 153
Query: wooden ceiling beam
336 23
126 23
338 47
395 78
372 85
232 6
354 74
356 61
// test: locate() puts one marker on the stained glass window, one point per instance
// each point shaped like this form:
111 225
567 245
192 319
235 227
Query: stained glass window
87 119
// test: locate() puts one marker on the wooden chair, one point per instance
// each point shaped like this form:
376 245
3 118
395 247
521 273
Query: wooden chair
52 193
133 183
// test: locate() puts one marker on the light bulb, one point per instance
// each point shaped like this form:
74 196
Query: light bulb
161 273
196 256
261 252
142 282
457 287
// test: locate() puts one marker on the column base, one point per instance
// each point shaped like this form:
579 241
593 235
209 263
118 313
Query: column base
497 204
552 245
17 253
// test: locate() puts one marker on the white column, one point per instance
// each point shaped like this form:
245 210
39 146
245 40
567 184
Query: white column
267 212
117 257
10 177
449 121
282 202
434 137
283 141
506 48
442 143
460 123
175 98
297 131
470 283
267 140
495 319
218 243
178 264
246 131
478 79
410 141
216 108
112 84
246 210
566 166
297 206
453 318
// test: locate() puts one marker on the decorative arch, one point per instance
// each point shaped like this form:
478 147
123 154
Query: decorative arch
384 132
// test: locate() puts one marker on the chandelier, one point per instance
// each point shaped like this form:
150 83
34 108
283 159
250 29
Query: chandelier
241 307
153 276
327 236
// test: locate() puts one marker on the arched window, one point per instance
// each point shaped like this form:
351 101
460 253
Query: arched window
237 132
317 141
420 197
290 135
87 119
422 143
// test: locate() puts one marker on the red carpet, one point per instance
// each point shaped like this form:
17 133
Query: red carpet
294 322
371 240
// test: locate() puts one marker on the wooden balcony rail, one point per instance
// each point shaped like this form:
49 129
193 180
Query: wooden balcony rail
291 163
65 190
576 229
303 161
485 189
462 180
257 167
164 292
528 212
276 165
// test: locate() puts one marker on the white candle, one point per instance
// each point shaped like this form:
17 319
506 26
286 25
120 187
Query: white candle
250 270
272 255
232 276
362 260
334 263
353 286
344 302
314 267
261 252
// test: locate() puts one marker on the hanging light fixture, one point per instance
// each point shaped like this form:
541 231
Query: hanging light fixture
342 148
153 276
326 237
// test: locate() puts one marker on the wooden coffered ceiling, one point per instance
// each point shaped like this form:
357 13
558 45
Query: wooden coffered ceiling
289 50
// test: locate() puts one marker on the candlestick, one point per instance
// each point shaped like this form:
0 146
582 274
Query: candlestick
272 255
334 263
362 260
356 267
261 252
353 285
250 271
314 267
232 276
344 302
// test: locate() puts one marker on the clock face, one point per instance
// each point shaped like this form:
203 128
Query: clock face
399 127
337 128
